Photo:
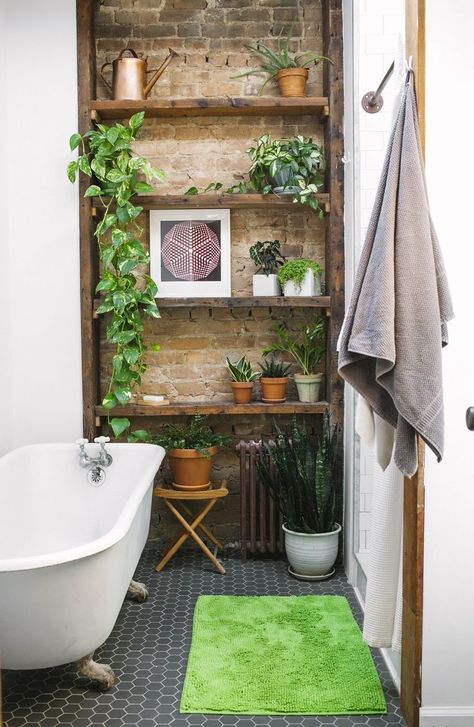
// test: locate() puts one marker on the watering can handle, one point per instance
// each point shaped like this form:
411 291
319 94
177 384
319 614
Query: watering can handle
130 50
103 77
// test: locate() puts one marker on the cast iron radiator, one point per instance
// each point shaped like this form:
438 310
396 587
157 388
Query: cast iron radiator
260 518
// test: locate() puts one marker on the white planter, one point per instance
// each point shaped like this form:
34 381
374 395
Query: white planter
308 386
310 286
265 285
311 554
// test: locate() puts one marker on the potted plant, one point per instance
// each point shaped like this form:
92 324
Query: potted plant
273 379
242 376
300 277
268 258
307 349
301 476
190 448
290 69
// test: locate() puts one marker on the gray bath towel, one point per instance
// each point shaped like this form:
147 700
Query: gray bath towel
395 327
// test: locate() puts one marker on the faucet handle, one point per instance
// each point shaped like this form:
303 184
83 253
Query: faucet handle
102 440
81 442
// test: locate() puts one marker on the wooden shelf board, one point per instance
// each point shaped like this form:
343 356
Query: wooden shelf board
257 407
222 106
322 301
215 201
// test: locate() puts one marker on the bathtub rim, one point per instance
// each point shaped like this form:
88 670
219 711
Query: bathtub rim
114 535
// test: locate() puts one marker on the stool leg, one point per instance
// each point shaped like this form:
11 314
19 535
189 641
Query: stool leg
191 530
204 529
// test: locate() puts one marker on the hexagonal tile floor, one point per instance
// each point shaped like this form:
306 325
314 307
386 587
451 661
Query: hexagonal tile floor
148 650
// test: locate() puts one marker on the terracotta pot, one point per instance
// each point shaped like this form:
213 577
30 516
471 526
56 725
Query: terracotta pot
292 81
274 390
191 470
242 391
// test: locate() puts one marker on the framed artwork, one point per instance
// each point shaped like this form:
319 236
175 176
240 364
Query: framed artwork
190 253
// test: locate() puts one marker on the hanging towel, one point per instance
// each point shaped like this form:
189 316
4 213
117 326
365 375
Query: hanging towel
395 327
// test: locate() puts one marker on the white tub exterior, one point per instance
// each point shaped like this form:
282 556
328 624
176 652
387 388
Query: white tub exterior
68 550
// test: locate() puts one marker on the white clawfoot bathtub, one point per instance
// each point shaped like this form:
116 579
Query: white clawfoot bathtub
68 550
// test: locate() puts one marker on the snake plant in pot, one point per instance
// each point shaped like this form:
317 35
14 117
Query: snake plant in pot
307 349
300 473
243 377
273 380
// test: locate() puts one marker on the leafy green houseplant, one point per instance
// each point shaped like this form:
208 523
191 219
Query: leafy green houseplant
300 277
301 474
268 259
273 380
106 154
307 349
190 448
242 379
290 69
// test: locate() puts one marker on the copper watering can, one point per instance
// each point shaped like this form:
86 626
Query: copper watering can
129 75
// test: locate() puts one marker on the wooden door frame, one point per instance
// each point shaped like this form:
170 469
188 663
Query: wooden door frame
414 488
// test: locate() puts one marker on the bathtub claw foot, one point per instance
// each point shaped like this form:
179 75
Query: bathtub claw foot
101 674
137 592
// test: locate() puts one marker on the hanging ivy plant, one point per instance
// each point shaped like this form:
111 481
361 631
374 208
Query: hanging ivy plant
119 174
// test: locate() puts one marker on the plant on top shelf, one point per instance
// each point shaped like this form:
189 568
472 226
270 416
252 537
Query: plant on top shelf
273 380
301 474
300 277
268 259
280 63
190 448
119 173
307 349
242 379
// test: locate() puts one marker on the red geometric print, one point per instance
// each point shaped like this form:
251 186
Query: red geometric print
190 250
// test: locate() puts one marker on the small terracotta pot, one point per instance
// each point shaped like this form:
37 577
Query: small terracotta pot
274 390
191 470
292 81
242 391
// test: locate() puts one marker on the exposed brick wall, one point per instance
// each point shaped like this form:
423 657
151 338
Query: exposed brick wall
210 36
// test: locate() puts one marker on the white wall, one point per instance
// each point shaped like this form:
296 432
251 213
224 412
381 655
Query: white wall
40 359
448 637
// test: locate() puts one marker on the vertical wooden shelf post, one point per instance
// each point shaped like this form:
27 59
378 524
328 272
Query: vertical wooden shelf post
86 70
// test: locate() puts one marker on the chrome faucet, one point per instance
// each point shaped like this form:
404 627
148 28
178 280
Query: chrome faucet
104 459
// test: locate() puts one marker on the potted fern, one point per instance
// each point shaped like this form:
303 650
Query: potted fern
191 449
273 380
267 258
288 68
300 473
300 277
307 349
242 379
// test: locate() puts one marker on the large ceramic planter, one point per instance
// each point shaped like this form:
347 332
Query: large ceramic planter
191 470
274 390
308 386
311 555
242 391
292 81
266 285
310 286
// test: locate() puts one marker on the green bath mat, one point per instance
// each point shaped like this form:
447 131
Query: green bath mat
279 655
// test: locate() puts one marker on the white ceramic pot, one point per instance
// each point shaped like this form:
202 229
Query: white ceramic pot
311 554
310 286
308 386
266 285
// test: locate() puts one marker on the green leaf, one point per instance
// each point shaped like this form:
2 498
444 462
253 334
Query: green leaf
153 311
92 191
136 121
84 165
109 401
74 141
140 435
122 395
155 347
112 135
106 284
143 188
122 215
192 191
131 355
105 307
116 176
99 168
126 266
120 301
119 425
125 337
72 171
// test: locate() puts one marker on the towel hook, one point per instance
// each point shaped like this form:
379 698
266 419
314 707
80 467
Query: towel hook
372 101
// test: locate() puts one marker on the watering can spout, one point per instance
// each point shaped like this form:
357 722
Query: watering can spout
156 74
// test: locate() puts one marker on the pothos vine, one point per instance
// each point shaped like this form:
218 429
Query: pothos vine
119 174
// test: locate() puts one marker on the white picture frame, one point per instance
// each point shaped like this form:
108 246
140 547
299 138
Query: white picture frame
178 272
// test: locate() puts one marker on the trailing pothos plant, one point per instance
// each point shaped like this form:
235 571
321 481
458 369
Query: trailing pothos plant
119 174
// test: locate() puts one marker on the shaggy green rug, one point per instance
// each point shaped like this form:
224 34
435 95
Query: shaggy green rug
279 655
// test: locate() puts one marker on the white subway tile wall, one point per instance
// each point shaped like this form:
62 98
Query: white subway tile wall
380 28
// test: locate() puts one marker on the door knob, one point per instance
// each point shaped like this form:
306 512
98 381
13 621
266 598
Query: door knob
470 418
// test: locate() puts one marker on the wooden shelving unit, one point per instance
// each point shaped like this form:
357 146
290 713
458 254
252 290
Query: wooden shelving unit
256 407
210 201
323 301
222 106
